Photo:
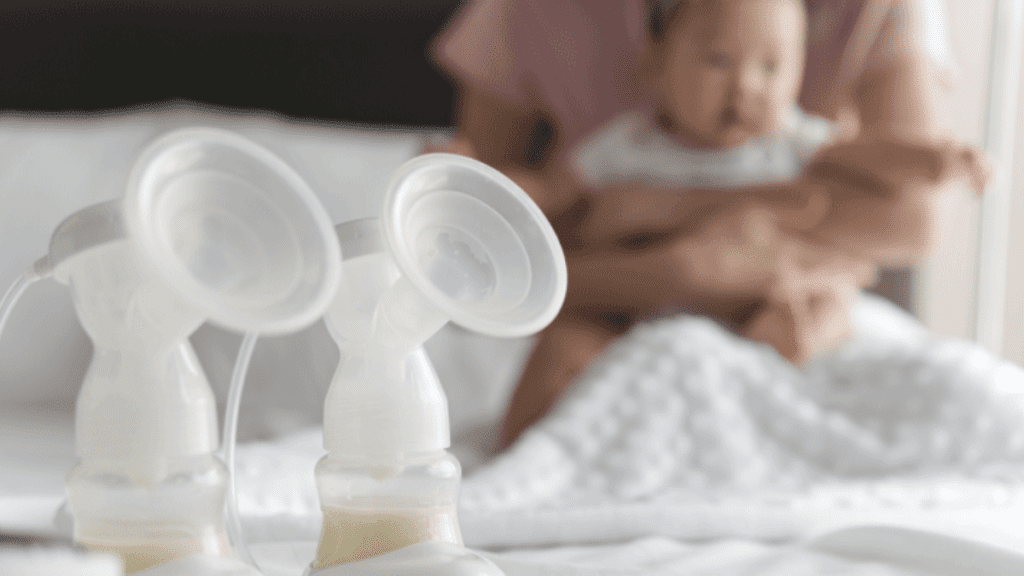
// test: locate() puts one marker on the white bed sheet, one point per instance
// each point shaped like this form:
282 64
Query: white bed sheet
978 548
53 166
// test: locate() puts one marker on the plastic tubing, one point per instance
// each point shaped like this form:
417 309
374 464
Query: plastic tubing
14 293
230 434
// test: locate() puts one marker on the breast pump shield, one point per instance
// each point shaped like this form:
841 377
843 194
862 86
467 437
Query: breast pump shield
211 227
456 240
233 230
472 248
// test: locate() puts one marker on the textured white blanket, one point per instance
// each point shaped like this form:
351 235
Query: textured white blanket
683 429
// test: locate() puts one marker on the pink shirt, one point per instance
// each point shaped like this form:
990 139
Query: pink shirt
579 59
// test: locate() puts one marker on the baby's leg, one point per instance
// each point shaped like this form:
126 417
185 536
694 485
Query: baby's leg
803 329
562 351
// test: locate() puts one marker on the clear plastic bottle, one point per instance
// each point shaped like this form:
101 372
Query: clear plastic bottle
147 486
150 524
456 240
211 227
388 481
372 507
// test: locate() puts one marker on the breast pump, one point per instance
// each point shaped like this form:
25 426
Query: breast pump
456 240
211 227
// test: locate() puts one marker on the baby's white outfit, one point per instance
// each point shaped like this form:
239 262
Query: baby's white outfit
632 146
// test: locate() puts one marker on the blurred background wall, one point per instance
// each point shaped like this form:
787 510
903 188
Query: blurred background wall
973 287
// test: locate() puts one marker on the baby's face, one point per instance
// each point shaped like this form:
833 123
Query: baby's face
732 69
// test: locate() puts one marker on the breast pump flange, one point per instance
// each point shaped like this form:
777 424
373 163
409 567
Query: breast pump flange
459 241
211 227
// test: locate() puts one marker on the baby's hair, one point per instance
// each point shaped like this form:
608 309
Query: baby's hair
659 14
662 13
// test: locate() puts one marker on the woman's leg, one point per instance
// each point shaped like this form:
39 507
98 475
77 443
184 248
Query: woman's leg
562 351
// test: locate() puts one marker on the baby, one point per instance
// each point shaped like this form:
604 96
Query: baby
727 74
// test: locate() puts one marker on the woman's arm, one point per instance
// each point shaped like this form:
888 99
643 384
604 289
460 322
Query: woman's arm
901 100
636 215
876 197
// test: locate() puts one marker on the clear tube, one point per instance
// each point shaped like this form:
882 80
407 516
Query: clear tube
231 410
27 278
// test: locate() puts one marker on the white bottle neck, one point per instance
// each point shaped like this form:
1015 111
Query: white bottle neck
384 403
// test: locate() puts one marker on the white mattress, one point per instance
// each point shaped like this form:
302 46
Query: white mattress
53 166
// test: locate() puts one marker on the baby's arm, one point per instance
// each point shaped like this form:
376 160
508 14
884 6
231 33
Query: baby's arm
888 196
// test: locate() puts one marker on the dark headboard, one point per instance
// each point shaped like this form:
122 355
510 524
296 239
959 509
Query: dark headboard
349 60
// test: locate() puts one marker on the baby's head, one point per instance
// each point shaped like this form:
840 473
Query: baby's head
729 70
